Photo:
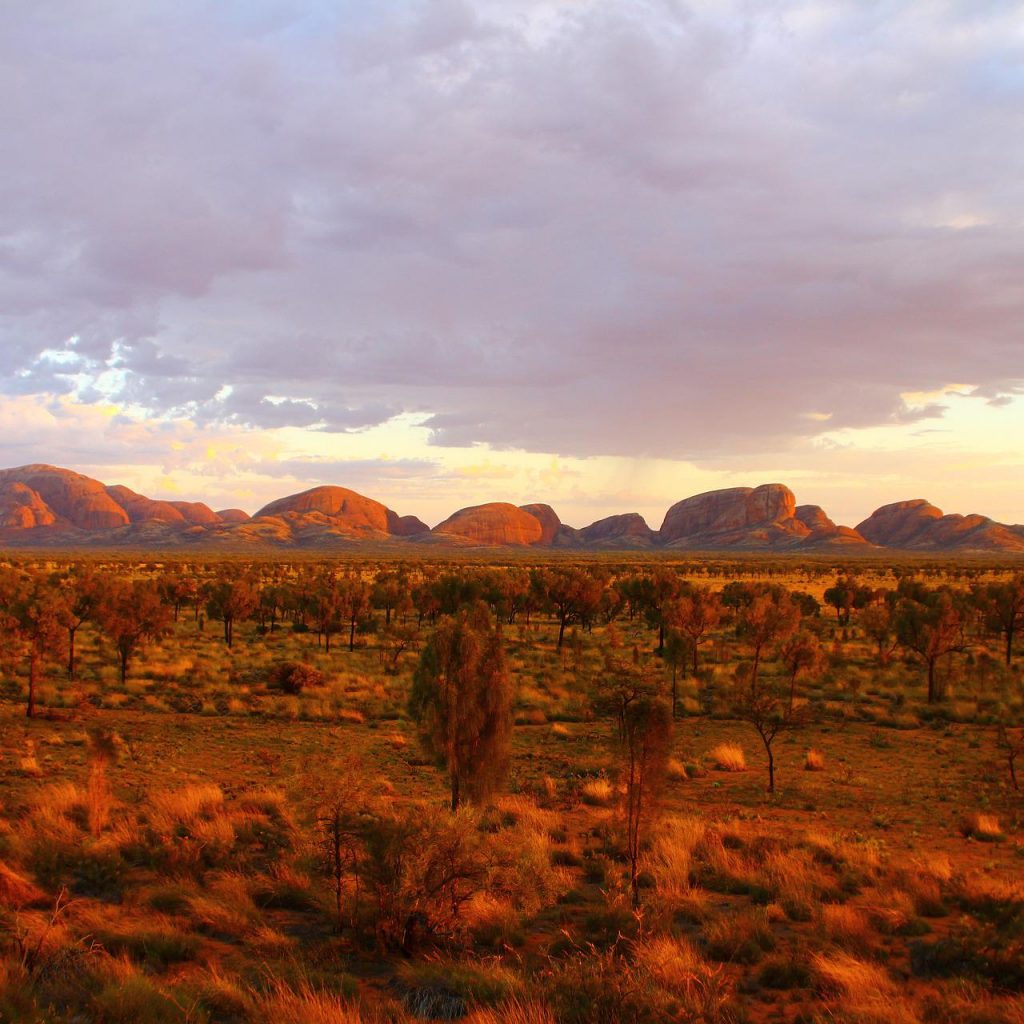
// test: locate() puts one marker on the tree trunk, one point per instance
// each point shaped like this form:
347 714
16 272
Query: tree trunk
352 634
71 652
1009 646
33 661
561 630
931 680
455 792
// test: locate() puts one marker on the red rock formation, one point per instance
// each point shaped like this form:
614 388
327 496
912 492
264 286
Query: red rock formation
735 517
901 524
627 530
918 525
141 509
357 514
550 524
493 525
73 499
21 508
233 515
824 532
195 513
406 526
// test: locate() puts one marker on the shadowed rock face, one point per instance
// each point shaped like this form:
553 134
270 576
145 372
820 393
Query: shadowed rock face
824 532
492 525
550 524
919 525
406 526
629 529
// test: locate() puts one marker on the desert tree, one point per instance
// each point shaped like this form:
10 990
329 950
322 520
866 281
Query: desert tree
798 653
645 747
462 699
34 616
573 594
81 591
131 614
763 703
620 685
879 625
694 616
230 600
931 628
845 595
770 617
659 591
1001 605
354 603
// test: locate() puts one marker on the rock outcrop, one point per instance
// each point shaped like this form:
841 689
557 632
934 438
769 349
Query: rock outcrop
919 525
71 499
21 508
44 505
824 532
496 524
233 515
322 513
629 530
735 517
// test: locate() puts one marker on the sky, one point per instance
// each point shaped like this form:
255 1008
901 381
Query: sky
600 254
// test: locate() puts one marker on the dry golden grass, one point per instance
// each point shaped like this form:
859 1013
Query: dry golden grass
513 1011
304 1005
981 826
670 857
560 731
15 889
672 962
179 806
814 761
597 793
847 926
864 991
676 770
728 757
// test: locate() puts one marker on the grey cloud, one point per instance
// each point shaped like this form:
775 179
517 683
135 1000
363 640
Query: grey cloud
644 229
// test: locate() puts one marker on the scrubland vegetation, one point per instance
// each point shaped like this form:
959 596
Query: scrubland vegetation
326 792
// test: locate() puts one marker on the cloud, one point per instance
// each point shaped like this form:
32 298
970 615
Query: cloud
651 229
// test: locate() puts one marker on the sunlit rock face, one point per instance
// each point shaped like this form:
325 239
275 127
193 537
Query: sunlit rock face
495 524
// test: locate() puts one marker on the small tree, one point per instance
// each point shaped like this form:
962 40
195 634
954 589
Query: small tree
462 699
132 614
931 629
36 618
645 749
768 618
230 600
800 653
1002 607
762 702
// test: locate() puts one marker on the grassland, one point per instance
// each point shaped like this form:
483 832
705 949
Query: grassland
162 848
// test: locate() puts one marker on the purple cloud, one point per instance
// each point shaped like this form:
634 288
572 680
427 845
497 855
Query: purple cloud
648 229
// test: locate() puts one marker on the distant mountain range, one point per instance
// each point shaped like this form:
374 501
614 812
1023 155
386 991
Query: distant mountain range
44 506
